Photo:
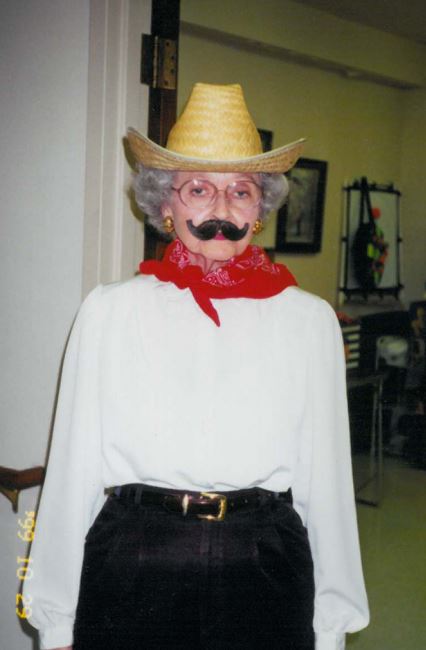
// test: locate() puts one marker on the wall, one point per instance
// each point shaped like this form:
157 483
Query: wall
69 83
43 85
413 164
351 103
305 31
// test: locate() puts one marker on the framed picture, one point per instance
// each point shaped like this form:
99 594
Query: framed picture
266 139
299 221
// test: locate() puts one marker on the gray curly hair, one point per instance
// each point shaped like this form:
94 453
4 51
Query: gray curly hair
152 187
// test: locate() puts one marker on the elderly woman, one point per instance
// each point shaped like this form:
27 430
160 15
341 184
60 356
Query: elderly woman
208 394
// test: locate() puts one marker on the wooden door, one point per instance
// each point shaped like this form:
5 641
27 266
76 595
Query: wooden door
163 90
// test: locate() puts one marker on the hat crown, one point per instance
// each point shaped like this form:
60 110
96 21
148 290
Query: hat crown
215 132
215 125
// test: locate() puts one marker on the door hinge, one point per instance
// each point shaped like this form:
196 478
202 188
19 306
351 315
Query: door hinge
159 62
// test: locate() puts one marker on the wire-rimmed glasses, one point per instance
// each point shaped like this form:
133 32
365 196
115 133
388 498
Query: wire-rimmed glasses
201 194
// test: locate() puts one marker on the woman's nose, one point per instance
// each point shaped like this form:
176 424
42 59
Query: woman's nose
220 206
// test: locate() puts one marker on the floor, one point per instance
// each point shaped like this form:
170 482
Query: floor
393 545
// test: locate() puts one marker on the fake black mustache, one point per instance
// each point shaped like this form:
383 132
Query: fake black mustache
210 228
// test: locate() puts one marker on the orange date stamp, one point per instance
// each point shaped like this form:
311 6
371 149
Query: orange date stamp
25 570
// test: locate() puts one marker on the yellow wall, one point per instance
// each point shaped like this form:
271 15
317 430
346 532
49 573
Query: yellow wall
413 173
353 125
302 29
356 126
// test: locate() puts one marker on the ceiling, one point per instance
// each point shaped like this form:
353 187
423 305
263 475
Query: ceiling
404 18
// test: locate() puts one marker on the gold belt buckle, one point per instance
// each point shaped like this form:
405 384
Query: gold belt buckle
222 503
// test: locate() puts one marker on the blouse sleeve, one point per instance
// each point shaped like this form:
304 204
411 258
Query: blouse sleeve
323 491
72 493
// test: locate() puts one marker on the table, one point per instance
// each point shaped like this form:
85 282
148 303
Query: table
375 380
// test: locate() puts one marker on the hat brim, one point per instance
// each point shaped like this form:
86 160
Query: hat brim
152 155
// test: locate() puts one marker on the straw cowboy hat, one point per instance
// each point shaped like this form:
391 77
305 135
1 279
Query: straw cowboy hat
215 132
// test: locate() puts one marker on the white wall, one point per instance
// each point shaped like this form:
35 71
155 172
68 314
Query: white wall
43 86
69 84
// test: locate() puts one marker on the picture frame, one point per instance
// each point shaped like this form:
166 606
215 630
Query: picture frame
299 221
266 137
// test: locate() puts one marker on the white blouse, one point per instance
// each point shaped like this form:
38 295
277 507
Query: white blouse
153 391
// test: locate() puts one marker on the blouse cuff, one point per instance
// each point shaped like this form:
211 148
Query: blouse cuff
329 641
56 637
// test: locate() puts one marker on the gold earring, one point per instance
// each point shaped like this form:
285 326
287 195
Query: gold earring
258 227
168 224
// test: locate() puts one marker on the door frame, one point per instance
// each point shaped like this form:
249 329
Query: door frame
113 238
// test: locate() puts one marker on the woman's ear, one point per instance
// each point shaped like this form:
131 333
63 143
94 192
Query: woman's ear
166 210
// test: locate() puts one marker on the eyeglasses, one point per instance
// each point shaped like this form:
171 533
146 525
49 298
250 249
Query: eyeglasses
240 195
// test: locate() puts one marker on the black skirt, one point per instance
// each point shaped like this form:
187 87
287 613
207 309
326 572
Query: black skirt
158 580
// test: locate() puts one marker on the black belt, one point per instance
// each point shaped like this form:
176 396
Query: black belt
204 505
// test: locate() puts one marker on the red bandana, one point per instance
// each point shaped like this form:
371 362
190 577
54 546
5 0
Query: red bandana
249 275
